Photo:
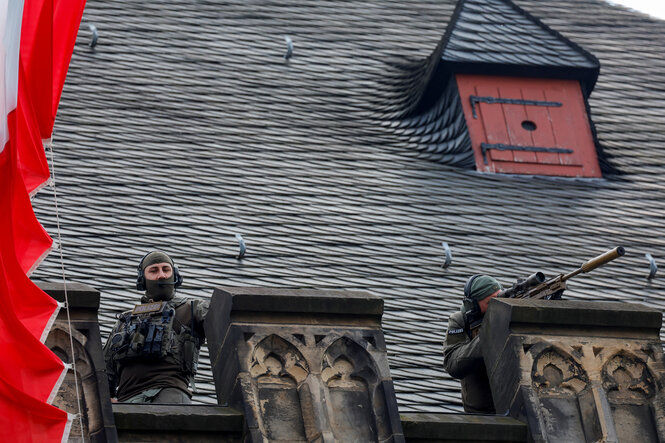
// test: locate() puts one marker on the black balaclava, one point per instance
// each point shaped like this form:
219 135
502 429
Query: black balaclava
158 290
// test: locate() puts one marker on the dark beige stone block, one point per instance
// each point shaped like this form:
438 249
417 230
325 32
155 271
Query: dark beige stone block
91 382
303 365
177 423
577 371
454 428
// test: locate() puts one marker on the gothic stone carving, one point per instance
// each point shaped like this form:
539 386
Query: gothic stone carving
66 399
572 381
555 373
562 388
355 393
96 423
277 372
284 389
303 376
631 389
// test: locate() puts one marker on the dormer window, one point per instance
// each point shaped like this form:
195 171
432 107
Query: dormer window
506 94
528 125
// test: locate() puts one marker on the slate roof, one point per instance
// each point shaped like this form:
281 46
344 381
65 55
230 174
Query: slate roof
185 125
499 32
438 131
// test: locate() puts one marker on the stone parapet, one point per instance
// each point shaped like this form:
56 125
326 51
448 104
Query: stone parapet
303 365
177 423
93 388
458 428
577 371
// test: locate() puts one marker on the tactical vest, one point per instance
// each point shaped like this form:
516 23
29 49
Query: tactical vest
147 333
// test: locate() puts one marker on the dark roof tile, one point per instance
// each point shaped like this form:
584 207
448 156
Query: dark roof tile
498 32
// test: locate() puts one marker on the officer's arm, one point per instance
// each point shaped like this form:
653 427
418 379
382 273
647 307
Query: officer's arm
110 365
200 313
460 355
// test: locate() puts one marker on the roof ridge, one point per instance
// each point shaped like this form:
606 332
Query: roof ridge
499 32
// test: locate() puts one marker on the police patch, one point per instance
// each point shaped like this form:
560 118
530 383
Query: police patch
148 307
455 331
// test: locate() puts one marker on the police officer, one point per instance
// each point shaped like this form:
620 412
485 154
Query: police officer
152 352
462 356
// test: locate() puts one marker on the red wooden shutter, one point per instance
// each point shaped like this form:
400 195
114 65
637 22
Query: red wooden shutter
528 126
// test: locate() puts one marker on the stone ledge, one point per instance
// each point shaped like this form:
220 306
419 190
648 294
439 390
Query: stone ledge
79 295
422 427
579 313
310 301
166 418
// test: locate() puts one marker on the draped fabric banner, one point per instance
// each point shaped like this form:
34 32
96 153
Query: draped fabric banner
47 39
37 42
34 421
27 364
31 159
20 231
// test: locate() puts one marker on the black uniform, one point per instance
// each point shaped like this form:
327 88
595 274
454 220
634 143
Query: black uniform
154 350
463 359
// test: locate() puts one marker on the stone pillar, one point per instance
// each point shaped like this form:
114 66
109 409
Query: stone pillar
303 365
577 371
93 388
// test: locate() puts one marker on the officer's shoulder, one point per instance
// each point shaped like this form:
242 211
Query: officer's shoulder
179 301
456 321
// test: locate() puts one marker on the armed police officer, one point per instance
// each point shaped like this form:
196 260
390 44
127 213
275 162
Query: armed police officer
152 352
462 355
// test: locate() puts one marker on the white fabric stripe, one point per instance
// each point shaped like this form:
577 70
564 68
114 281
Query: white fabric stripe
56 387
68 427
11 14
50 323
39 261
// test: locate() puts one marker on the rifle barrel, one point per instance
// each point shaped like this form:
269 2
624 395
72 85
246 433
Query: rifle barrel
596 262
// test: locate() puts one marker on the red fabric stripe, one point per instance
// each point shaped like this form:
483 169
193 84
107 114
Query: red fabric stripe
24 419
25 362
48 35
31 159
37 60
67 15
32 306
29 237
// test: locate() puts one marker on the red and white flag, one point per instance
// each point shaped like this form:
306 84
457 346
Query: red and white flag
37 39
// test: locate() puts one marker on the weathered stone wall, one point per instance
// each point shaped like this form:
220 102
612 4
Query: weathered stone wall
177 423
303 365
91 382
577 371
462 428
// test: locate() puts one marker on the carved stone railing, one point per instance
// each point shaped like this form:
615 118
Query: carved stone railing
577 371
306 365
303 365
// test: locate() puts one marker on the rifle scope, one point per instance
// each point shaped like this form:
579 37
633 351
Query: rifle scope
533 280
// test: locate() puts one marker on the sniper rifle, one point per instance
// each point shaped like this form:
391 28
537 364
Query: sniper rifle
535 286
